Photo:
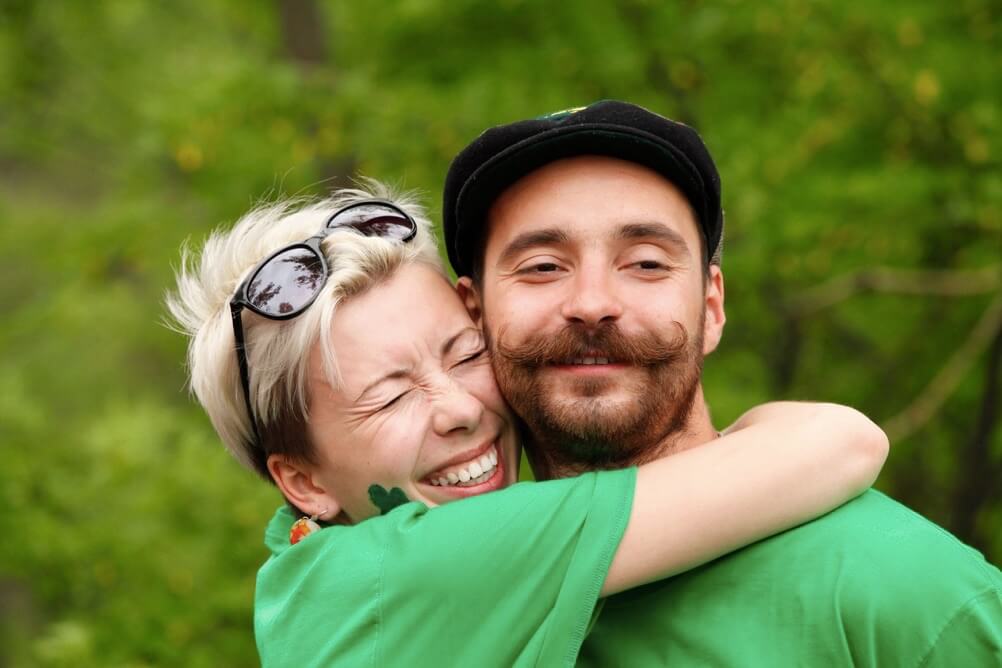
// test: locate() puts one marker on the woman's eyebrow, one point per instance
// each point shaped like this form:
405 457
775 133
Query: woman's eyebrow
451 341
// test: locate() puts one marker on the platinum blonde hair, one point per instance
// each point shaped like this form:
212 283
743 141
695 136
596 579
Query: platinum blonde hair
279 351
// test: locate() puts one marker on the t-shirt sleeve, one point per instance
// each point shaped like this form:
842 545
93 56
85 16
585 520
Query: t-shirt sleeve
971 637
510 578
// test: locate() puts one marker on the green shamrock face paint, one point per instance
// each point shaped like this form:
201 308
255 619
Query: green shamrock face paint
386 501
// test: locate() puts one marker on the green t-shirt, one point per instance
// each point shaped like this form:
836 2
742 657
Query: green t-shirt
870 584
509 578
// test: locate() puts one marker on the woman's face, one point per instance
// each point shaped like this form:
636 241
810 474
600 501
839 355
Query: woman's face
417 409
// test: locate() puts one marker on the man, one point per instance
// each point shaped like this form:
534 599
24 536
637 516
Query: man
588 245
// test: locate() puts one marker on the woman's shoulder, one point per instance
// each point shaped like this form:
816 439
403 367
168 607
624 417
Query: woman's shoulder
333 541
523 502
416 559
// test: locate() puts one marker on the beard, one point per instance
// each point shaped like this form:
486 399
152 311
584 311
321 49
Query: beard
577 425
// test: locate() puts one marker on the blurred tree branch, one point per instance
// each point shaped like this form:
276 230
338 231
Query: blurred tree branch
946 283
305 40
977 481
784 356
656 67
929 401
302 31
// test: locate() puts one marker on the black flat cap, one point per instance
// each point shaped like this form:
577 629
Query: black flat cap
502 155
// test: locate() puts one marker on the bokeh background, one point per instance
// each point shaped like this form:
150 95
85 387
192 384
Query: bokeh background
859 145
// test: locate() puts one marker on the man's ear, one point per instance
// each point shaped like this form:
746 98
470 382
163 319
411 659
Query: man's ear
713 324
471 299
297 482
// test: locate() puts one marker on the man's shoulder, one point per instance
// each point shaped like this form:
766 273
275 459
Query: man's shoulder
876 549
872 583
888 535
871 548
875 518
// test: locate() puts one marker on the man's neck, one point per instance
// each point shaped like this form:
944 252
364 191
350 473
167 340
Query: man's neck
697 430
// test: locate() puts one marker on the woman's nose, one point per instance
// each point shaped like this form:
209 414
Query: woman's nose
456 409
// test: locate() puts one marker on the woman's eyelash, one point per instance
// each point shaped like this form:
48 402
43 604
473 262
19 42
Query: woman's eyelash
391 402
476 355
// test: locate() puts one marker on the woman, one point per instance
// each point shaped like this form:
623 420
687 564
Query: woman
360 387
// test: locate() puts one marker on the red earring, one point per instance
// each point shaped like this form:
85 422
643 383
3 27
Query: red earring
304 526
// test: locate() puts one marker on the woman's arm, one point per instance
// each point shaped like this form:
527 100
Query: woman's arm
778 466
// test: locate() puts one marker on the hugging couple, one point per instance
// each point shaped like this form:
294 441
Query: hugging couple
336 360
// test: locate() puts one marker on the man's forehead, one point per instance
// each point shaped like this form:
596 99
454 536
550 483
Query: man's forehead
592 196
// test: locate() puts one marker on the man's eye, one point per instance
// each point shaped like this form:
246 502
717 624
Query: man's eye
541 268
650 265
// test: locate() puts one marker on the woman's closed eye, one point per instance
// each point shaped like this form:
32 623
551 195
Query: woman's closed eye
472 357
392 402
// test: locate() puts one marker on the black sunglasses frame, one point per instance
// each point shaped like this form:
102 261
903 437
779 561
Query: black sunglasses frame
239 301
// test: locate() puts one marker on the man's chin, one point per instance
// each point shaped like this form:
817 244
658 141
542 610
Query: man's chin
567 389
604 406
591 418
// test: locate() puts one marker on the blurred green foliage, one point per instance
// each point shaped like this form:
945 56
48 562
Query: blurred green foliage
851 136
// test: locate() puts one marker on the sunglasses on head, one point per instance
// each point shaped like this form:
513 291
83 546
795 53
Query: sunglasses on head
289 280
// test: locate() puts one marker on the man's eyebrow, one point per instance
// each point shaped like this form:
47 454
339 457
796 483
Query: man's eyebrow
657 231
393 375
527 240
451 341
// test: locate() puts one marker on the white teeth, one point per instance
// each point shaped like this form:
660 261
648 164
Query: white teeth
476 472
588 361
482 478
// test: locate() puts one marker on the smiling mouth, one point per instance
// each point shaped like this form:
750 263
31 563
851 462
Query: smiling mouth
586 361
588 357
474 472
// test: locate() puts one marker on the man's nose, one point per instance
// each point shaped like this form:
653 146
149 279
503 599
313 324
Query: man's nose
456 409
592 300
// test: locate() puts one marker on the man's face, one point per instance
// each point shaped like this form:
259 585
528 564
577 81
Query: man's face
596 307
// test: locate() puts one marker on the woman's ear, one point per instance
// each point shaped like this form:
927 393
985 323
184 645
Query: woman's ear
471 299
296 481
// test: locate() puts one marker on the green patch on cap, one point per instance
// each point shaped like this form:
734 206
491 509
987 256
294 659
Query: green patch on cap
557 115
564 113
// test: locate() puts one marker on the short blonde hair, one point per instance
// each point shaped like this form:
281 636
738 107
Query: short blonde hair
279 351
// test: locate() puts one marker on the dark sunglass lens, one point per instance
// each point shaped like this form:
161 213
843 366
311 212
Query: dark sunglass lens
287 282
388 227
375 220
